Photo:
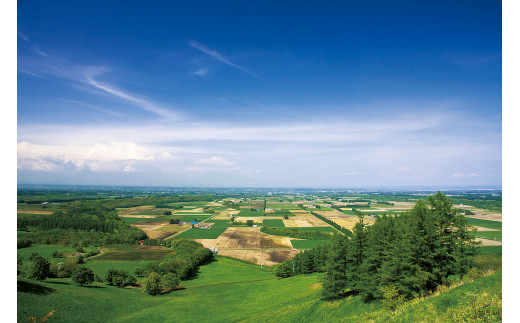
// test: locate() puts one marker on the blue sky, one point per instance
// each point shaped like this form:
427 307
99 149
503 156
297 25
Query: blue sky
260 94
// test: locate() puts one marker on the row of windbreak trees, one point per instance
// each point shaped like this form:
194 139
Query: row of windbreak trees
413 252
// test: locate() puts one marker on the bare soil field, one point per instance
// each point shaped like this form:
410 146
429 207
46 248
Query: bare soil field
34 211
487 242
486 229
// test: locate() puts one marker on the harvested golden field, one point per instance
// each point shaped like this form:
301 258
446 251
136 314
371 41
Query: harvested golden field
34 211
305 220
138 216
162 230
346 221
252 245
246 238
265 257
188 210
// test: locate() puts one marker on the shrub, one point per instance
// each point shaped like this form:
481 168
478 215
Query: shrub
391 298
153 284
170 280
82 276
119 278
284 269
39 269
57 254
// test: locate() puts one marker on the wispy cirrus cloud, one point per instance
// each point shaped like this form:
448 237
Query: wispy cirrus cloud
216 55
90 75
88 78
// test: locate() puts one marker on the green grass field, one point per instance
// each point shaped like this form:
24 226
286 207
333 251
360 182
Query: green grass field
491 235
494 250
45 251
274 223
307 244
213 233
134 220
485 223
125 252
232 291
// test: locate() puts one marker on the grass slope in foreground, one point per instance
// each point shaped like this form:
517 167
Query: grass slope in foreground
230 290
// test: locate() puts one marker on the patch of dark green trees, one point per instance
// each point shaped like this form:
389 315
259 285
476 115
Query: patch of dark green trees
414 252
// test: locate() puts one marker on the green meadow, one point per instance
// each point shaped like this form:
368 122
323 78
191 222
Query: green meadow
227 290
275 223
307 244
497 225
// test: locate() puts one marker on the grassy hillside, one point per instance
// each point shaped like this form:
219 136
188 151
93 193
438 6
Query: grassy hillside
232 290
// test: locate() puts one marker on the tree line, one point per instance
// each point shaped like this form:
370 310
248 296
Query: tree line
410 254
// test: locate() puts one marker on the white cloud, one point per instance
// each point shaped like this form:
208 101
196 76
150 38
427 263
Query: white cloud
219 57
214 160
90 73
354 173
465 175
98 157
129 169
201 72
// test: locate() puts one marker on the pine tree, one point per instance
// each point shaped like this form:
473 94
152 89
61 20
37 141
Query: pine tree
355 254
335 282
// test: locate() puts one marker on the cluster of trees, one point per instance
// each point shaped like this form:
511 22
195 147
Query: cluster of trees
410 254
306 262
81 223
231 205
169 271
333 224
295 233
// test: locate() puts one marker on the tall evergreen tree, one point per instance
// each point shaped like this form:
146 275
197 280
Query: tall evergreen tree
335 282
355 254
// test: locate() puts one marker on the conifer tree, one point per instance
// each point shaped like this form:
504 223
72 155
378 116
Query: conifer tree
335 282
355 254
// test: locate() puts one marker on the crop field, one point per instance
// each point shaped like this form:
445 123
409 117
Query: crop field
259 256
275 223
249 213
497 225
489 235
346 221
307 243
494 250
304 219
248 243
218 227
134 253
314 229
